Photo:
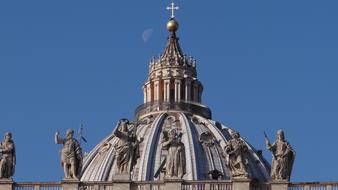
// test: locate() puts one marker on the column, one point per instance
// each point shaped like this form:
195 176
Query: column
187 89
148 92
157 90
196 91
178 90
200 91
144 94
167 90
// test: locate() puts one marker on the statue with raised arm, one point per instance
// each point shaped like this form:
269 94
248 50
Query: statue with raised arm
7 157
71 155
236 151
283 157
175 166
127 147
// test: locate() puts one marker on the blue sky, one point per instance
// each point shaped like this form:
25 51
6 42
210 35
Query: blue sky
265 65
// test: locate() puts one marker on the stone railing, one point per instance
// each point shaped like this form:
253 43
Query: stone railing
37 186
260 186
206 185
314 186
168 185
96 186
184 106
155 185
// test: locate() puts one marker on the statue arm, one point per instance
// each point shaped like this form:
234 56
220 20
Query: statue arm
7 149
165 145
121 135
228 149
58 139
271 147
244 146
78 150
288 150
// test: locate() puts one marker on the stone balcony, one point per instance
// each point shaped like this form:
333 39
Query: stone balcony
168 185
183 106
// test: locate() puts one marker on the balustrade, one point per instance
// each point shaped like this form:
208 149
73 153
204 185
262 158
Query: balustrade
38 186
186 185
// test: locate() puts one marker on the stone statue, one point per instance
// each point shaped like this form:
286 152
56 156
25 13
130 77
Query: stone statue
283 157
175 166
71 155
236 151
7 157
127 147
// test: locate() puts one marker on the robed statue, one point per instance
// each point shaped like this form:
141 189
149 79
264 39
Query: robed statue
236 153
71 155
7 157
127 147
175 162
282 157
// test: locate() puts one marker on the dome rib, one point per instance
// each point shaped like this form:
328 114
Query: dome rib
190 149
146 159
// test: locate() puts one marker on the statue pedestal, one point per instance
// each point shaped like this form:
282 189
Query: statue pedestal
279 185
172 183
241 184
122 182
122 185
6 184
121 177
70 184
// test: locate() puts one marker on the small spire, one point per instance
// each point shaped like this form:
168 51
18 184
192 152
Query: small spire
172 51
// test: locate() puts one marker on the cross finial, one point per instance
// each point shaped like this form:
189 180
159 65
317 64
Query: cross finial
173 8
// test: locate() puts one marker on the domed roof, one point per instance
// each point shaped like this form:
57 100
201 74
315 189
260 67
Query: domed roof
204 142
173 123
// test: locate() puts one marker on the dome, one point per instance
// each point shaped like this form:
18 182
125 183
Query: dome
204 142
172 111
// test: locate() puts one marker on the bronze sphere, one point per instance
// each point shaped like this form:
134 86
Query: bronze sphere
172 25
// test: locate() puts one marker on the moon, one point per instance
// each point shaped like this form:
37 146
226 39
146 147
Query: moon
146 35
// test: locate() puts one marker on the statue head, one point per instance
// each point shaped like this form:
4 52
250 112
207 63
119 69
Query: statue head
235 135
69 133
8 137
280 135
123 123
172 133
